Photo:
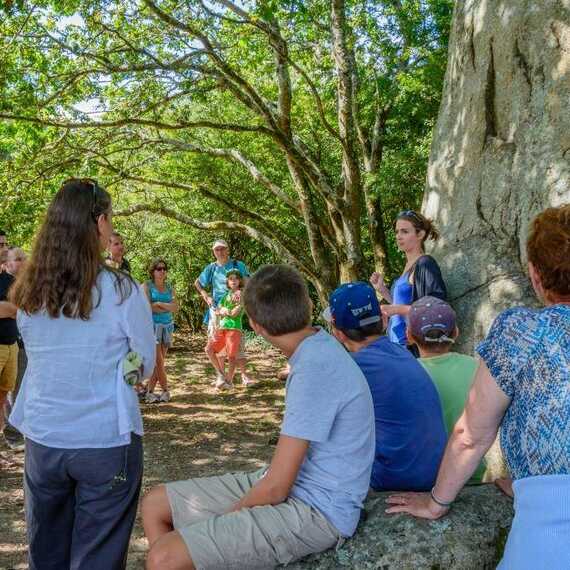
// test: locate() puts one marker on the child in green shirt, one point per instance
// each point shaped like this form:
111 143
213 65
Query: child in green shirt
228 335
432 328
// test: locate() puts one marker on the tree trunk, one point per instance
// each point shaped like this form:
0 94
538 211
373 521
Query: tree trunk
500 152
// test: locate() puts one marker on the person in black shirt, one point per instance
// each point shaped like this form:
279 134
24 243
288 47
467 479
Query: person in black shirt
15 440
8 343
3 248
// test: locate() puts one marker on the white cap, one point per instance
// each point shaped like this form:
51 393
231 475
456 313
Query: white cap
220 243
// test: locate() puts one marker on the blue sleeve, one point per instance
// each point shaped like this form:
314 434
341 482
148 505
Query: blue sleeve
508 347
309 412
243 268
205 278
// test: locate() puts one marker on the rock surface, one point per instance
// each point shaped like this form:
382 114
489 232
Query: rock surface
471 537
500 152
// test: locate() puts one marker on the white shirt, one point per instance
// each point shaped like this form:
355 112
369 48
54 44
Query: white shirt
73 394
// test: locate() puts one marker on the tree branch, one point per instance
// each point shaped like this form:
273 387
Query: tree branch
274 33
257 101
276 233
236 156
142 122
217 225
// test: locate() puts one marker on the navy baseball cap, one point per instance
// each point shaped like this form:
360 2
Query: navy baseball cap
353 306
432 320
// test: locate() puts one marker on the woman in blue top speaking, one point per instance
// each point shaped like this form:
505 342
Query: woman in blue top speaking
421 275
79 319
522 385
163 303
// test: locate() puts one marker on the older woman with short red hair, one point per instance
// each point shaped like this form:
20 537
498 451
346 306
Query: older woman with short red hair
522 386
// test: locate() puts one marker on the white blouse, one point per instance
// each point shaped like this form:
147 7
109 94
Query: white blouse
73 394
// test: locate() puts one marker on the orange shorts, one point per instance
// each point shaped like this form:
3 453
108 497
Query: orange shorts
228 339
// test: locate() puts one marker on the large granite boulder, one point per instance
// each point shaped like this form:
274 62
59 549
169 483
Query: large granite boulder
500 151
471 537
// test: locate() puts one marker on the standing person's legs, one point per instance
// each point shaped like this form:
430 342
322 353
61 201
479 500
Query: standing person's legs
162 379
242 362
49 495
214 349
8 374
3 398
233 340
108 487
154 378
13 436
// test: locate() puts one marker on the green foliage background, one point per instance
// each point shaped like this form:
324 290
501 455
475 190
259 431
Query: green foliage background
35 158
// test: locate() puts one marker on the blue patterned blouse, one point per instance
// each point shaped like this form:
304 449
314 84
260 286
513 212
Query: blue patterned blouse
528 354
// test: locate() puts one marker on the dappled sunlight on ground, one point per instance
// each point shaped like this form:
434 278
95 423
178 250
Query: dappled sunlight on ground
200 432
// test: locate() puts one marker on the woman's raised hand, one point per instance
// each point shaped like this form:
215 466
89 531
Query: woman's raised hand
377 280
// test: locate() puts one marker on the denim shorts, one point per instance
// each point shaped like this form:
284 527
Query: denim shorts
163 333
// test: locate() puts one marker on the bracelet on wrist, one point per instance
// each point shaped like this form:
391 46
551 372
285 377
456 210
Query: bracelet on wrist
438 501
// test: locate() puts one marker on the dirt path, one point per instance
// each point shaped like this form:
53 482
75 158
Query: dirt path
200 432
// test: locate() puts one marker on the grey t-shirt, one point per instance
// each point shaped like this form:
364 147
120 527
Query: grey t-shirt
328 403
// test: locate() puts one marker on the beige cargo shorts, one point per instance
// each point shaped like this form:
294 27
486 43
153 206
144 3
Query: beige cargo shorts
254 538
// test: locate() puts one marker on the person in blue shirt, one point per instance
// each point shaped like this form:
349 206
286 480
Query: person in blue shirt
213 278
410 432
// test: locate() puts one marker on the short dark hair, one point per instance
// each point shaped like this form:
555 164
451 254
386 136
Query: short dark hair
2 233
276 298
362 333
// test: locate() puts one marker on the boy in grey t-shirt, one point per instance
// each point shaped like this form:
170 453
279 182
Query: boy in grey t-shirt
312 493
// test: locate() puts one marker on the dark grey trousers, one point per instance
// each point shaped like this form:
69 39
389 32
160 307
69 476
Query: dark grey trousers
81 505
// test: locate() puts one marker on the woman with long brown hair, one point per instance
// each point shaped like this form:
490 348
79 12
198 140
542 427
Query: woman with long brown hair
421 276
79 319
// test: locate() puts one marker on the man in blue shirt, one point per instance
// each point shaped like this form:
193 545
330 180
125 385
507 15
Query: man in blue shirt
214 277
410 433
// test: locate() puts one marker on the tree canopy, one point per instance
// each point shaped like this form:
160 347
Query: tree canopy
302 126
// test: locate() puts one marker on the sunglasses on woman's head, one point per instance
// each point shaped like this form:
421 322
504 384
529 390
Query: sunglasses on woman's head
94 189
409 214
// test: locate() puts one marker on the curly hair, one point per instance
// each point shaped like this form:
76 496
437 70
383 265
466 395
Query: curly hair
548 249
153 264
66 258
420 223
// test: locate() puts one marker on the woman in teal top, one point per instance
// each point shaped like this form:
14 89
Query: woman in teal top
163 303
